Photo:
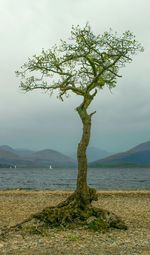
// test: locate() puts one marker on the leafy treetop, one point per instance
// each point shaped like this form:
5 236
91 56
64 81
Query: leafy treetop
82 65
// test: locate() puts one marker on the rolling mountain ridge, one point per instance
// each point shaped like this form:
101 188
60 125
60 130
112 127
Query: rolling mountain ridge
27 158
138 156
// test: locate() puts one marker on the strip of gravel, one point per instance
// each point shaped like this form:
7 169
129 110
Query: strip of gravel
132 206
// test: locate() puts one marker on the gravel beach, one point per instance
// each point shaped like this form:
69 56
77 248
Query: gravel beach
132 206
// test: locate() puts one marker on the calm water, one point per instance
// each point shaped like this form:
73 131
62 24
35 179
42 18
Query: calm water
65 179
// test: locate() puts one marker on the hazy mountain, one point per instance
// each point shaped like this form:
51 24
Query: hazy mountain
28 158
93 154
19 152
50 157
137 156
23 152
10 155
6 148
141 147
7 156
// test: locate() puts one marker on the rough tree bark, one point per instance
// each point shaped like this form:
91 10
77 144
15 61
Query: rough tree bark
81 152
83 192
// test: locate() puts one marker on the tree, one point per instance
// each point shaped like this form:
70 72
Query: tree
84 65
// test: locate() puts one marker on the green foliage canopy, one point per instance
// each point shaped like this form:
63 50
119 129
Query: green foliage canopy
83 64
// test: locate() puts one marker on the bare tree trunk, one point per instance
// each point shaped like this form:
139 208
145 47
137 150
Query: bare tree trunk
81 153
83 192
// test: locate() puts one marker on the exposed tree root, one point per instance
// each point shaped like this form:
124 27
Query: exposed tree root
71 213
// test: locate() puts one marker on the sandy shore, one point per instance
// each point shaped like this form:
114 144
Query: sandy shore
132 206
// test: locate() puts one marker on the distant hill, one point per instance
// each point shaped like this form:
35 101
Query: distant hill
141 147
50 157
93 154
138 156
28 158
19 152
8 155
6 148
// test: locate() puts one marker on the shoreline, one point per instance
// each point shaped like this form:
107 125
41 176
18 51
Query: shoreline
103 191
65 193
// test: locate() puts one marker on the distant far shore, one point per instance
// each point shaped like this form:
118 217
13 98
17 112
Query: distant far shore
105 192
67 192
64 193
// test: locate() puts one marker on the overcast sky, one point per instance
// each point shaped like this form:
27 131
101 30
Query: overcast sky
36 121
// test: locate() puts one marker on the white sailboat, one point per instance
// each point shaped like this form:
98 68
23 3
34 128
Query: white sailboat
50 167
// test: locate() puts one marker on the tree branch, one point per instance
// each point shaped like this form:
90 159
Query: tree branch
93 83
91 114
